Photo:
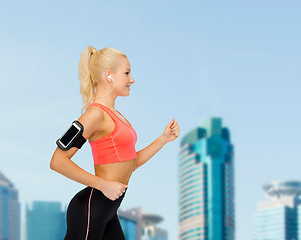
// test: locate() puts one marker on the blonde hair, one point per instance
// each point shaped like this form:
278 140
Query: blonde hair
91 63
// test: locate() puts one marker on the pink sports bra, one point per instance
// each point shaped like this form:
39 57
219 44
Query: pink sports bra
117 146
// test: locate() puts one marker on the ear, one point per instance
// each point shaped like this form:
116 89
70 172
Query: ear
106 75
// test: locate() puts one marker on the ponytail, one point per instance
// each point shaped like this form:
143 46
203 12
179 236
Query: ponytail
92 62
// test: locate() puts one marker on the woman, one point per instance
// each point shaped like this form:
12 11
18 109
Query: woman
92 212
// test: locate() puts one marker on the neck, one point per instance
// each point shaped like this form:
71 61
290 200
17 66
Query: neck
110 103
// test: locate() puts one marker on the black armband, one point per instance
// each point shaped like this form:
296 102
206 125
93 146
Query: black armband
72 137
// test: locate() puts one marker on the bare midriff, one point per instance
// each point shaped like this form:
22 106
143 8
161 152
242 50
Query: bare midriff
120 171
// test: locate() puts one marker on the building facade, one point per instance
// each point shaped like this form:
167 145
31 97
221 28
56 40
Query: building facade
131 224
280 217
10 210
45 220
141 226
206 183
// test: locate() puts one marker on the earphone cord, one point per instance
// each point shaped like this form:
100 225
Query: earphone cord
108 92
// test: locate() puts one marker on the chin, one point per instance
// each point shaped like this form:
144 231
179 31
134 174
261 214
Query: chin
125 94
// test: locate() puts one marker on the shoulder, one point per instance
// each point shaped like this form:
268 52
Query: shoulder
94 112
91 119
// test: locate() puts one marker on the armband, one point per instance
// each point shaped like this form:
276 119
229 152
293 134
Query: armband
72 137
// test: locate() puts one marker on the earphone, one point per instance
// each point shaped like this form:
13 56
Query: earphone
109 76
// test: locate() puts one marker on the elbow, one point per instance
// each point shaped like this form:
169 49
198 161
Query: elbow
55 160
52 164
58 162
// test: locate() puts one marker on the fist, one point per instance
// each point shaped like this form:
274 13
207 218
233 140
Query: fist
171 131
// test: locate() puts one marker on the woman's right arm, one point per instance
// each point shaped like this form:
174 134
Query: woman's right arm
65 166
61 160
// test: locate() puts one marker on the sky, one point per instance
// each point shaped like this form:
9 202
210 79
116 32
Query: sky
238 60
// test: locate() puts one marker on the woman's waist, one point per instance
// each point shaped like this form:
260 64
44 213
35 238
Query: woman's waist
120 172
114 177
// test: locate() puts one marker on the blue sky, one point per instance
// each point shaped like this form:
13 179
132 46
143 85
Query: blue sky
236 60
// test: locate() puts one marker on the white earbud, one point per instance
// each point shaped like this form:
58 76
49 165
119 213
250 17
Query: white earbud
110 77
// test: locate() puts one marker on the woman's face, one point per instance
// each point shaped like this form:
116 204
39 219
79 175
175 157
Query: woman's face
123 78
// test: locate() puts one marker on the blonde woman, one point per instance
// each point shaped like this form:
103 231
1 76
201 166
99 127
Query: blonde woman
92 212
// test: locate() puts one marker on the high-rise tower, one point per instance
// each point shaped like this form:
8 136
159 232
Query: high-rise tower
45 220
10 210
280 217
206 179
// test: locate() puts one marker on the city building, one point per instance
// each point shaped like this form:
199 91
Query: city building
45 220
206 183
131 224
141 226
150 230
10 210
280 217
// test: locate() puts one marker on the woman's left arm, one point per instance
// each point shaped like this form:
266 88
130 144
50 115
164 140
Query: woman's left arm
171 132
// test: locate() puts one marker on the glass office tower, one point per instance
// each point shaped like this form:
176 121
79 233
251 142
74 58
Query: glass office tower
137 225
150 229
45 221
130 221
206 179
10 210
279 218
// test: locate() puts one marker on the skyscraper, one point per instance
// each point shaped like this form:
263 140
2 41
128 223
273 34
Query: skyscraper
206 179
141 226
280 217
10 210
45 220
131 224
150 230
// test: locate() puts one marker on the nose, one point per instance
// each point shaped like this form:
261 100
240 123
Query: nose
132 80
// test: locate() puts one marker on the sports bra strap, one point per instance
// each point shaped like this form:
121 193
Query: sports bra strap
107 110
112 114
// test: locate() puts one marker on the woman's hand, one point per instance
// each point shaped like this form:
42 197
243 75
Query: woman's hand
171 131
113 189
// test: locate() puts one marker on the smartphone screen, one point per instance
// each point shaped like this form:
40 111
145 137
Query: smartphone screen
70 134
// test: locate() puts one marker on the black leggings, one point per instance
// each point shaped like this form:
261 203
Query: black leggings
93 216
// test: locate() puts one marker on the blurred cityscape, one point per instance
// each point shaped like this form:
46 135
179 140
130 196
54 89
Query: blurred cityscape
206 200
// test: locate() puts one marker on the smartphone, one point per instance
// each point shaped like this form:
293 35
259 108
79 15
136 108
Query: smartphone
69 135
